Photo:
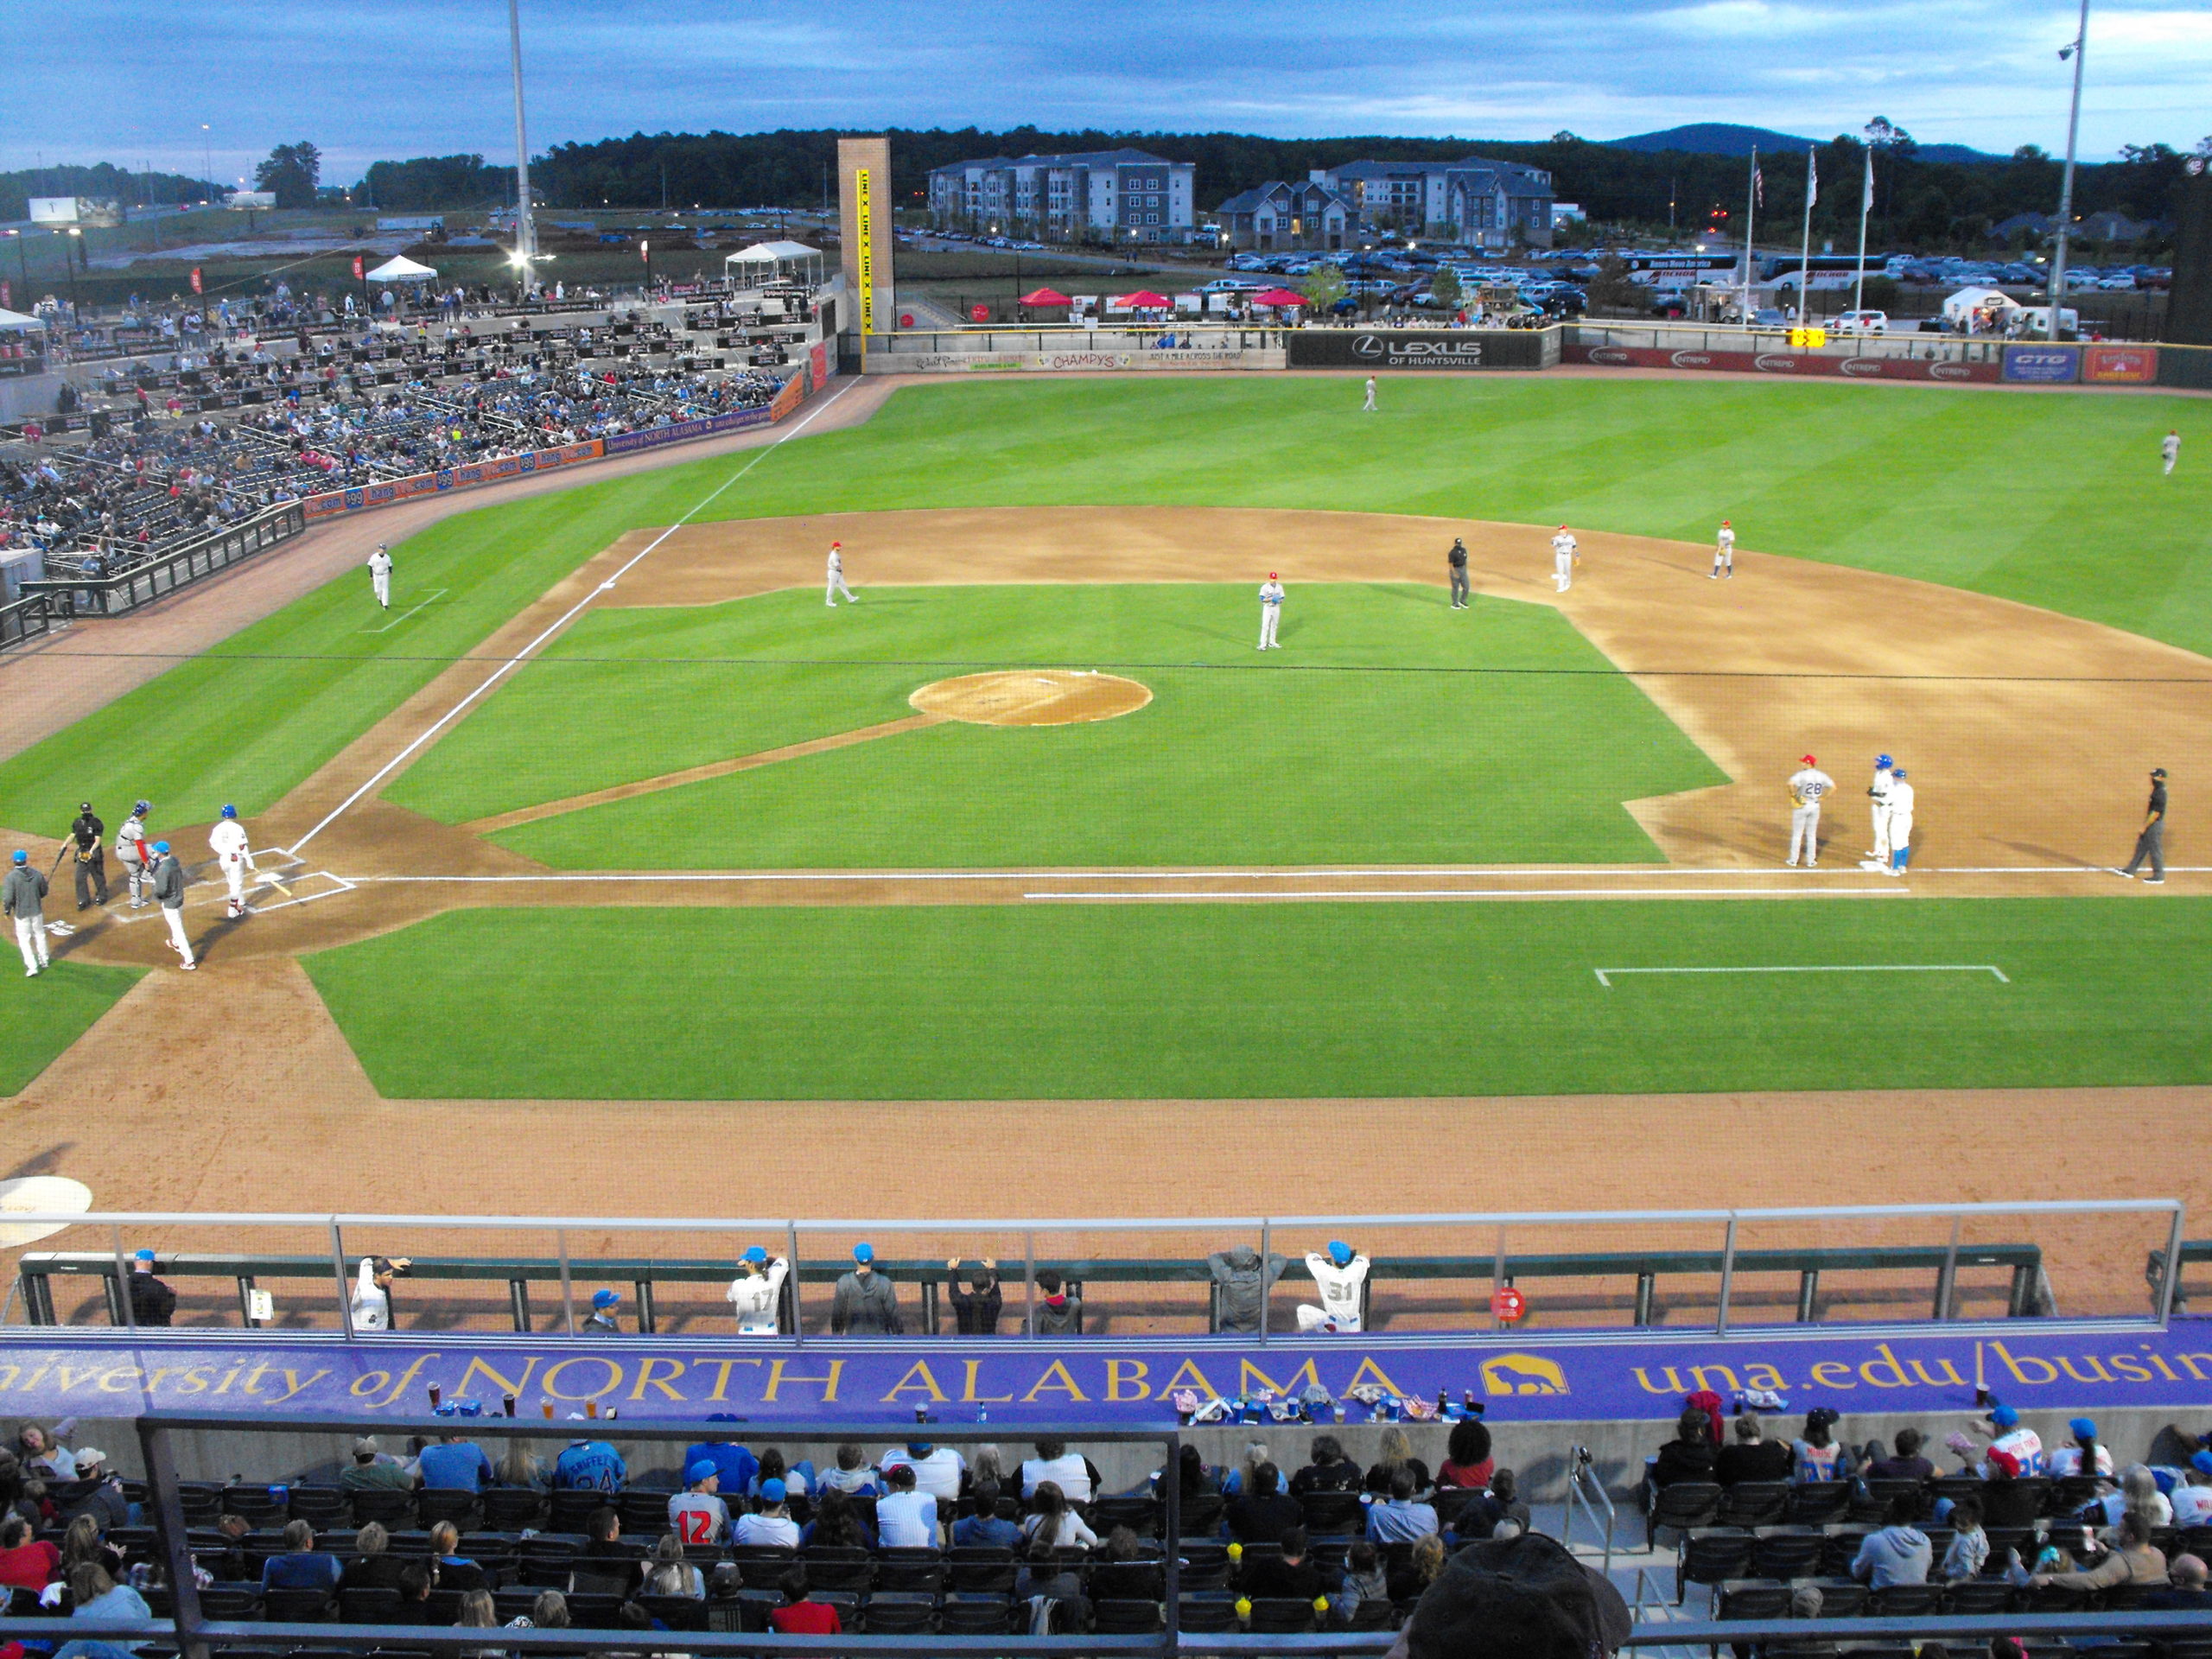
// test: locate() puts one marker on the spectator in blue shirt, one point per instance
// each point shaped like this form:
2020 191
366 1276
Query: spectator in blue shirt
301 1566
455 1464
590 1465
984 1530
1399 1520
734 1466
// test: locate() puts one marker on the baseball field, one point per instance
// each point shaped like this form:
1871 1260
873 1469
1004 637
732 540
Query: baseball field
609 807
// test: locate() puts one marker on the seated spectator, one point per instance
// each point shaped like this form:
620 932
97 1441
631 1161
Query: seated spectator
519 1468
82 1543
455 1464
669 1574
1238 1480
801 1615
1750 1456
1363 1574
45 1454
1071 1472
1191 1475
854 1472
988 1464
837 1525
1043 1575
1057 1524
1058 1313
26 1563
590 1465
2003 1429
2134 1559
1899 1552
2187 1593
2192 1499
301 1566
796 1479
697 1513
1241 1281
984 1530
477 1611
1904 1464
549 1612
2086 1455
12 1500
1968 1551
1398 1519
1264 1512
454 1570
1817 1456
771 1523
1497 1513
105 1503
1467 1462
1689 1455
1293 1572
976 1310
372 1568
2137 1494
1397 1453
2007 1502
938 1470
1119 1571
603 1537
415 1592
1421 1567
1329 1472
372 1470
98 1596
736 1467
906 1517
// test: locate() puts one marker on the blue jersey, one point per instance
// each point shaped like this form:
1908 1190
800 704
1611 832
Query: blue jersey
591 1465
736 1466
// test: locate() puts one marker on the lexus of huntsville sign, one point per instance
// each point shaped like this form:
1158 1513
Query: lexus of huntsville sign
1382 348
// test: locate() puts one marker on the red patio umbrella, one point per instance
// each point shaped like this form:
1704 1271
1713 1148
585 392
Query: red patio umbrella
1142 298
1046 297
1279 296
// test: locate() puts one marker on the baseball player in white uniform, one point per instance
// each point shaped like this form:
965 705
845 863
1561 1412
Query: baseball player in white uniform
1807 787
1900 821
1367 408
135 856
754 1294
234 855
838 578
1339 1276
1724 554
1270 611
2170 447
380 575
1878 795
1564 559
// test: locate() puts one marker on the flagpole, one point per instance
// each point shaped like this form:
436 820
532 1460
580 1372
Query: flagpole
1865 205
1805 247
1751 215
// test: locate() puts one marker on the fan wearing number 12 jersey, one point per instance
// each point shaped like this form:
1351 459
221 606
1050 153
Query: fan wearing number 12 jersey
697 1513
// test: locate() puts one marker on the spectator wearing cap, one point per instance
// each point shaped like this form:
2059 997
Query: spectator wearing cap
771 1523
1689 1455
2005 1432
2192 1498
976 1310
455 1464
1059 1313
2086 1456
1897 1552
865 1304
697 1513
1340 1275
105 1503
590 1465
755 1296
1749 1455
1816 1455
601 1321
939 1471
734 1466
906 1517
371 1471
152 1302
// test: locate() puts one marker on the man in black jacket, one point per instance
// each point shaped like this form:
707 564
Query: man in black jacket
974 1310
88 832
152 1302
1292 1574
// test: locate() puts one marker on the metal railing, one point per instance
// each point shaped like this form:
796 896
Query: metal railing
1586 1493
1487 1255
30 618
158 577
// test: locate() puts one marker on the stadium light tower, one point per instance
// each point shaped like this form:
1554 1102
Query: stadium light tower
525 228
2066 187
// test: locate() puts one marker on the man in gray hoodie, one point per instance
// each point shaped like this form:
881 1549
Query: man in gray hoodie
866 1304
1240 1285
168 887
1898 1553
22 895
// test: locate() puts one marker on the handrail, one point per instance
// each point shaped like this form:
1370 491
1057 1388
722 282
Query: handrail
1582 1484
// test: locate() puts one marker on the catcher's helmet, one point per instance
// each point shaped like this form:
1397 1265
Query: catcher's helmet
143 808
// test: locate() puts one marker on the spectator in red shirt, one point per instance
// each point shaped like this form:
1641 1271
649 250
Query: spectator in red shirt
1467 1461
800 1617
26 1563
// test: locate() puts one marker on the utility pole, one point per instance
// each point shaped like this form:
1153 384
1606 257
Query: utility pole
525 227
2077 52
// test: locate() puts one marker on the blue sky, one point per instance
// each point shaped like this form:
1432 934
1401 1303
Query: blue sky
132 81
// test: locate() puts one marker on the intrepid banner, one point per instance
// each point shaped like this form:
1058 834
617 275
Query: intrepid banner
451 478
1849 368
1629 1377
1443 348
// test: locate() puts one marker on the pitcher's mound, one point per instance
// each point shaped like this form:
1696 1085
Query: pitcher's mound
1031 696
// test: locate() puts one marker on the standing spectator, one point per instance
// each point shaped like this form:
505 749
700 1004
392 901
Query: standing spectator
1056 1312
755 1296
734 1466
1259 1516
590 1465
1817 1456
799 1615
455 1464
1689 1455
1241 1281
1056 1523
372 1470
974 1310
938 1470
985 1529
1398 1519
153 1304
1397 1453
1750 1456
1467 1461
1898 1553
697 1513
1070 1471
1329 1472
771 1523
865 1304
906 1518
2151 842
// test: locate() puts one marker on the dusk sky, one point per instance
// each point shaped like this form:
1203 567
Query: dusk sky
131 81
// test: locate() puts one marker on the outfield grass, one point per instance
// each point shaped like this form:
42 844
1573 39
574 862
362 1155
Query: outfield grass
1237 759
2052 499
40 1018
1229 1000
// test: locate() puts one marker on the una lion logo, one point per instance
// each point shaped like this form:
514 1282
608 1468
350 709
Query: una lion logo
1523 1374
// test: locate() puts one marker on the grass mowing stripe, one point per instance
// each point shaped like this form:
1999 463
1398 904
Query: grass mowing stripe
41 1017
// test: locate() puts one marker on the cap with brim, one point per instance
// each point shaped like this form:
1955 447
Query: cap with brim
161 847
2003 1416
703 1470
772 1490
755 1255
1339 1252
366 1447
90 1454
863 1252
2202 1462
2083 1428
605 1298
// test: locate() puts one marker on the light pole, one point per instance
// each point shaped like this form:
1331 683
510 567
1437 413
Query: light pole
69 262
525 227
2066 187
207 157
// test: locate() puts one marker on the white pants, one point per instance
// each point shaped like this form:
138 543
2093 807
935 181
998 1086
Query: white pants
1900 834
1805 831
1367 408
1881 830
1563 570
30 938
175 920
1311 1318
2169 465
234 874
1270 616
1724 562
837 587
135 872
383 586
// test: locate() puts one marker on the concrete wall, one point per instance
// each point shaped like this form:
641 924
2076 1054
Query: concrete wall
874 155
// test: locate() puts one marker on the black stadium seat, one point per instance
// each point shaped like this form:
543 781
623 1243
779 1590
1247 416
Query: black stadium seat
1682 1507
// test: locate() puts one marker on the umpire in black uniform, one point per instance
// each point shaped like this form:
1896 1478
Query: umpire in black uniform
2152 842
90 834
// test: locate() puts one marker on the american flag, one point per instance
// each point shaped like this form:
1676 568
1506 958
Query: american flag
1758 185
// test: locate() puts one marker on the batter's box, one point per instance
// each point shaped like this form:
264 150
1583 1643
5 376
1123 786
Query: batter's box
289 889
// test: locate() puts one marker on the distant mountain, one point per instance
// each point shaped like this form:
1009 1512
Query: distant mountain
1954 153
1723 139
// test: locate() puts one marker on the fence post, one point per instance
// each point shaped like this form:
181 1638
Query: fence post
130 1319
1029 1284
337 1268
2172 1282
1727 1277
798 1321
1947 1282
1170 1526
1267 1238
176 1549
1498 1282
568 1291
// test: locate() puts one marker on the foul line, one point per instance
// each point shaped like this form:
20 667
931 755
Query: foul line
575 611
434 593
1856 967
1494 893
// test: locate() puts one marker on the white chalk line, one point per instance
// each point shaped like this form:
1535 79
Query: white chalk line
434 593
1356 893
1606 975
1801 881
574 611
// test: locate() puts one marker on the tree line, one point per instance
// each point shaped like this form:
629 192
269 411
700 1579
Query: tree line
101 182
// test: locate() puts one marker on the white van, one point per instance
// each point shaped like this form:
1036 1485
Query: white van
2033 322
1861 322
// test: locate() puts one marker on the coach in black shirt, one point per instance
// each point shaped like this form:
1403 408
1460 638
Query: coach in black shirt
2152 842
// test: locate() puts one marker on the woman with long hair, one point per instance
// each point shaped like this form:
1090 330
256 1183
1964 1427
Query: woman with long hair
1055 1524
670 1574
1397 1453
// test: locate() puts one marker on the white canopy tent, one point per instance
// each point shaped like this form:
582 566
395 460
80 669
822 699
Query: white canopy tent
771 262
19 320
1998 304
400 268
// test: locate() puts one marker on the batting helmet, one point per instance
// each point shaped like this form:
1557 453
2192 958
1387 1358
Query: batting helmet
230 811
1883 762
143 808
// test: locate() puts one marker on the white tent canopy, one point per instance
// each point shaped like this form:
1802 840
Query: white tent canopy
17 320
400 268
1968 300
768 262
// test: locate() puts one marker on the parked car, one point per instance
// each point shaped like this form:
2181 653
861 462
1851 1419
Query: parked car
1861 322
1769 316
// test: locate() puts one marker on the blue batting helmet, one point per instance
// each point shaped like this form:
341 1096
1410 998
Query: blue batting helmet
1883 761
143 808
230 811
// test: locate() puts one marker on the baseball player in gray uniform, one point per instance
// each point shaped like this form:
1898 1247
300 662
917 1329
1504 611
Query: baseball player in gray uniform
134 854
1807 787
22 895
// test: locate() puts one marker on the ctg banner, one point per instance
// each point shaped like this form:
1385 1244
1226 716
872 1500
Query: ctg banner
1624 1377
2044 366
1442 348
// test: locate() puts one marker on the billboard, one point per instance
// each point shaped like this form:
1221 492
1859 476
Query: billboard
2044 366
75 210
1439 348
1848 368
2121 365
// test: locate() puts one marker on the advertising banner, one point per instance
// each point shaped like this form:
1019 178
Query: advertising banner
1453 348
385 493
1096 362
1625 1376
2124 365
1850 368
2044 366
623 443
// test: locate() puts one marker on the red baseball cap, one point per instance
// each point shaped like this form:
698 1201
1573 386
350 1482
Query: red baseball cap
2005 1461
1809 760
1272 578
